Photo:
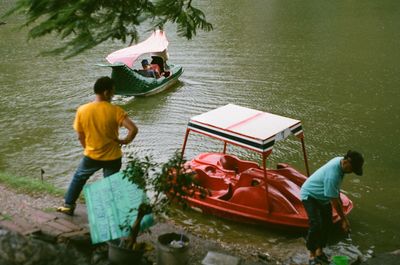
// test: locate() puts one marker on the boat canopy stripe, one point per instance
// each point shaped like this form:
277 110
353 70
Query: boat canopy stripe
297 130
247 127
239 140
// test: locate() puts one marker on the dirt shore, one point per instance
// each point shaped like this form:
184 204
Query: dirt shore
13 203
291 252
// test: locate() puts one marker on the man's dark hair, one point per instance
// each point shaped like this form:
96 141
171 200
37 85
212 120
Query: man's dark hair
102 84
356 161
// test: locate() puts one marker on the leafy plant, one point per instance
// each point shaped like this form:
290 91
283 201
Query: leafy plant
85 24
167 183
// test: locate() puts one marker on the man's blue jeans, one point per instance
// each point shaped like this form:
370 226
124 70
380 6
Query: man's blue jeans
87 167
320 223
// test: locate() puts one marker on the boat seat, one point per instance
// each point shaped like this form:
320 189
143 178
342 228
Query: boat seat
255 197
280 203
209 182
285 186
210 169
229 162
290 173
208 158
247 179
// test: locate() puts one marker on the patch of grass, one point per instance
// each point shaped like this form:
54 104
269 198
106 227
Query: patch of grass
29 185
4 217
49 210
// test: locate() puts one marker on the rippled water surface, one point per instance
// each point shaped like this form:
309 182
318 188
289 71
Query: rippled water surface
331 64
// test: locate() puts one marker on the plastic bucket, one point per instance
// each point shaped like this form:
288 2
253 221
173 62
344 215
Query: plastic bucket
172 254
123 256
340 260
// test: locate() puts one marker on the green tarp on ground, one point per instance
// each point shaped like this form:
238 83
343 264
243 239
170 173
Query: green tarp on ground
108 203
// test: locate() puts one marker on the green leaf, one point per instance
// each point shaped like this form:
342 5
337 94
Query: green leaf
88 23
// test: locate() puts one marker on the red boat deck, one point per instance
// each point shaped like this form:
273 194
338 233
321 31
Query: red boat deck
242 190
237 191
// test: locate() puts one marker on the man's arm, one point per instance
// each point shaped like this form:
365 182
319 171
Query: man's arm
132 131
337 204
81 137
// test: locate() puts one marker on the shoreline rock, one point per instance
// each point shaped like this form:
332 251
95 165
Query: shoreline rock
16 249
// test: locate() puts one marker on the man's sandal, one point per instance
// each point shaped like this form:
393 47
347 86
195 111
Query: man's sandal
66 209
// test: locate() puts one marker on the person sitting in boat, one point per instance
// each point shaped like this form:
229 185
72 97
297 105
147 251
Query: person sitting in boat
147 71
158 63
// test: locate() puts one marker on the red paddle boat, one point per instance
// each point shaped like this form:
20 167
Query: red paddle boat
241 190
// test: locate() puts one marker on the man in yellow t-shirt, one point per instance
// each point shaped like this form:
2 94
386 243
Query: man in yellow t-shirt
97 124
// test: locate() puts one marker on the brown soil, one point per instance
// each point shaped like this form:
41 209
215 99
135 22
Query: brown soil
17 204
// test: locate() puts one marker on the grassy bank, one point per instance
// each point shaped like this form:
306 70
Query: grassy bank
29 185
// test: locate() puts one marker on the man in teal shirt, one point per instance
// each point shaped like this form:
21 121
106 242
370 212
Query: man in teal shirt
319 193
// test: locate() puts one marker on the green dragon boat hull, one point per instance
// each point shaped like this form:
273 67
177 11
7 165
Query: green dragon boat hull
131 83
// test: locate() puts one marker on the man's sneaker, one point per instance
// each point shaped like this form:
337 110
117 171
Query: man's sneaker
66 209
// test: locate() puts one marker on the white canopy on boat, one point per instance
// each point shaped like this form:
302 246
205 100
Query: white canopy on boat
156 43
253 129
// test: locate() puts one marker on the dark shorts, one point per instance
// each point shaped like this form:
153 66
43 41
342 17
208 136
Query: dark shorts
320 223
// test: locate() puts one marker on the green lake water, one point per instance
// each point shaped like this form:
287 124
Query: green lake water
332 64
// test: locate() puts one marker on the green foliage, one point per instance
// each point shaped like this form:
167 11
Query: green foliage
167 183
83 24
5 217
29 185
138 171
187 17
